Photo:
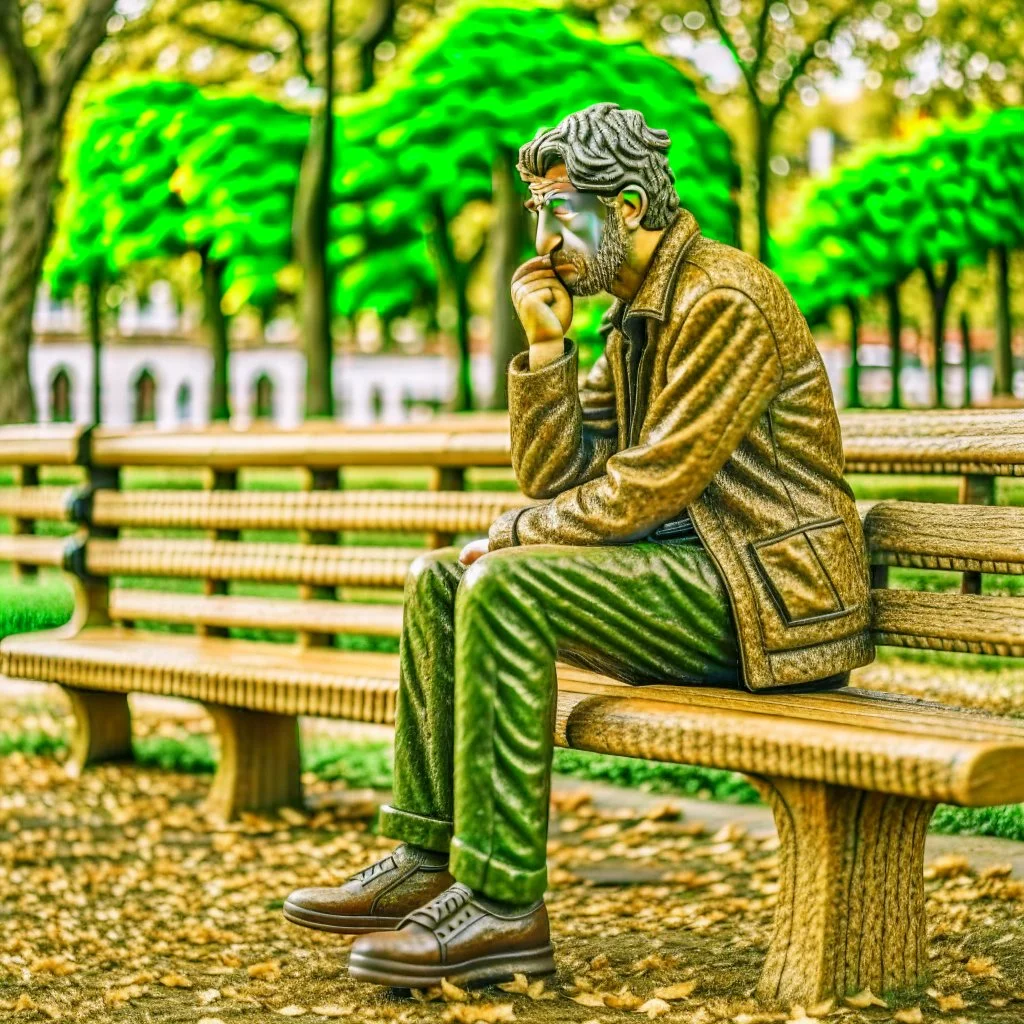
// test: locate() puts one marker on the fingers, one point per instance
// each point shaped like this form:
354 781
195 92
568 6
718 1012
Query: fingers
531 265
541 290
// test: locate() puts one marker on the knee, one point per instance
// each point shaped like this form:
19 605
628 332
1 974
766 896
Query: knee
486 579
430 574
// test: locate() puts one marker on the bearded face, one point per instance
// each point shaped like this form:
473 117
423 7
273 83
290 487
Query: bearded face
583 234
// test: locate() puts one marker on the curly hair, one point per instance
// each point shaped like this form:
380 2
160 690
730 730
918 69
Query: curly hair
606 149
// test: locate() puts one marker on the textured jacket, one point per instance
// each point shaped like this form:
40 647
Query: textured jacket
711 398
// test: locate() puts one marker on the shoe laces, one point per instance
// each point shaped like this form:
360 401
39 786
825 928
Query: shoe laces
386 864
449 902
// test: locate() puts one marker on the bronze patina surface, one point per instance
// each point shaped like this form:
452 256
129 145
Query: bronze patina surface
694 528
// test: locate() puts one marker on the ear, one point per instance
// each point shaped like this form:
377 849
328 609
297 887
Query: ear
633 204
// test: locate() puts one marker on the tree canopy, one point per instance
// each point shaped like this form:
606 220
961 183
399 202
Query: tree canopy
423 143
953 193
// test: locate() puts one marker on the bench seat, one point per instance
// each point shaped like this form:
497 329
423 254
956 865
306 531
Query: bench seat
877 741
276 678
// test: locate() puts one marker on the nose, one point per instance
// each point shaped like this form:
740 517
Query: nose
548 237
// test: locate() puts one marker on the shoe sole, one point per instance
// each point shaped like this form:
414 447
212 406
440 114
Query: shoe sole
339 924
483 970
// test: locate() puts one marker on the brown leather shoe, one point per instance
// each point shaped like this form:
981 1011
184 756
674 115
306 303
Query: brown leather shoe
377 898
459 936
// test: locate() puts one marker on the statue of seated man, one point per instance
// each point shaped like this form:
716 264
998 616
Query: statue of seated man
694 527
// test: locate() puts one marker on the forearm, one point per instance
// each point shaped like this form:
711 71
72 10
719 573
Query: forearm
552 448
728 372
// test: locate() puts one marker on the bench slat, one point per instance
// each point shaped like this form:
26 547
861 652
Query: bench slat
316 564
314 449
966 771
52 503
277 678
40 445
963 623
127 604
412 511
28 549
959 537
986 454
848 707
895 426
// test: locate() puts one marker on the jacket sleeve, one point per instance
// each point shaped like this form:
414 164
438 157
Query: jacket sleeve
723 372
562 434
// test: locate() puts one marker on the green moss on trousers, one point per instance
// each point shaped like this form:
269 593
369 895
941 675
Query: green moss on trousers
476 703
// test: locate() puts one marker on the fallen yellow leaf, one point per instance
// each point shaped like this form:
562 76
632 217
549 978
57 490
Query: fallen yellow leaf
268 971
954 1001
174 980
654 1008
862 1000
683 990
479 1013
452 993
911 1016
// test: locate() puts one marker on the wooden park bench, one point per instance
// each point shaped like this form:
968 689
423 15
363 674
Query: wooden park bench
852 776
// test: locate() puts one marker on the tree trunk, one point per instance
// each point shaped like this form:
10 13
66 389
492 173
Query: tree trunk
892 294
381 25
965 343
313 205
464 381
217 325
853 375
762 142
939 292
507 238
94 313
22 251
457 277
1003 383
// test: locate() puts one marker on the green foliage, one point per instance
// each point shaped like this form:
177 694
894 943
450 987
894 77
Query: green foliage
237 182
958 190
473 89
117 208
162 168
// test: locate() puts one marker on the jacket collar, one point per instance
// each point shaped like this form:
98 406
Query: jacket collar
654 295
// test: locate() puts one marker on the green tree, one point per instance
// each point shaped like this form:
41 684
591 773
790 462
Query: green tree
162 170
43 78
933 204
236 180
92 229
418 149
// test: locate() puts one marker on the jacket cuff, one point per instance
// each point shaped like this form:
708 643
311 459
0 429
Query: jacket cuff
551 383
503 532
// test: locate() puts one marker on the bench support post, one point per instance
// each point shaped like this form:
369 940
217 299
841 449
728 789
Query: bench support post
259 766
103 729
851 892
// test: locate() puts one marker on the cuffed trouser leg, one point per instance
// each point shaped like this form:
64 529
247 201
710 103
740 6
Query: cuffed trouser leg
643 612
421 812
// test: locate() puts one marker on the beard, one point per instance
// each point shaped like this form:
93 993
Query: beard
596 273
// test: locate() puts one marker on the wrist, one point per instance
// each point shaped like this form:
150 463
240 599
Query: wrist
544 352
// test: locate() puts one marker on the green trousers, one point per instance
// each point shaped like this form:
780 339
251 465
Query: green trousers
476 703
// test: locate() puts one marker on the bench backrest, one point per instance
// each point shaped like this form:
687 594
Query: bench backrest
972 541
303 539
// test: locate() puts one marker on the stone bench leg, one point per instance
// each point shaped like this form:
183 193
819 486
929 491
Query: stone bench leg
103 729
850 913
259 765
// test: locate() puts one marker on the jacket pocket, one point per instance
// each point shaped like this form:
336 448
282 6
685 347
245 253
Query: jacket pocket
800 569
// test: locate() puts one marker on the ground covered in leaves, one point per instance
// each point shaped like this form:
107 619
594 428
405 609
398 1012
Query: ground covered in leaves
119 901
